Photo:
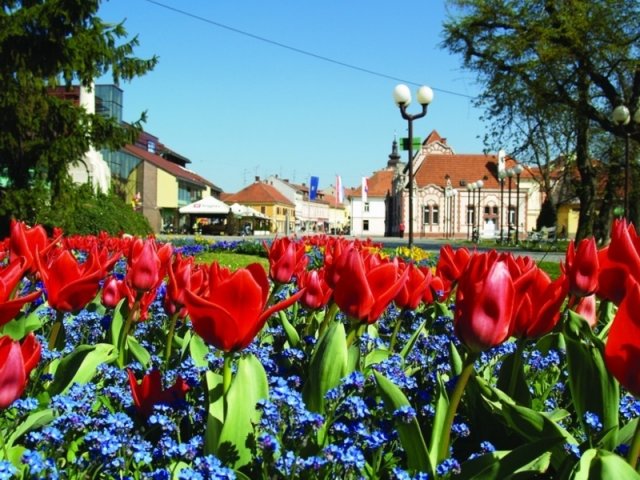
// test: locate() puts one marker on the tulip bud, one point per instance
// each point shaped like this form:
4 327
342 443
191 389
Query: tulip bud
484 303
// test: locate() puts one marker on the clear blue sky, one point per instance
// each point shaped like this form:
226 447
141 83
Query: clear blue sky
238 107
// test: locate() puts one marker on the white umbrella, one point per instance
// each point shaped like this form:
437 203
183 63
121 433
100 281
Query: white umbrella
206 206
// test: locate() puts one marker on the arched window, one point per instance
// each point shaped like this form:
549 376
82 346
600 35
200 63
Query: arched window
431 215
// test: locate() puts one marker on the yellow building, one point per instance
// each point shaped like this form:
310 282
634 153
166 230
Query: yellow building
568 215
268 201
155 180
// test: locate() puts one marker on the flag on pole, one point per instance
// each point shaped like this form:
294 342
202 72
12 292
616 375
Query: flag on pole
313 188
339 190
365 189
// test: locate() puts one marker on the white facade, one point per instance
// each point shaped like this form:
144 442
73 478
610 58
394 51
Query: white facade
367 219
311 216
92 169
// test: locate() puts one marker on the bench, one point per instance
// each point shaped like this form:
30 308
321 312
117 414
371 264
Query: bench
548 234
544 235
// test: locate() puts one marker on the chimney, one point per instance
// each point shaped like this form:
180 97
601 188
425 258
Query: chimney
257 178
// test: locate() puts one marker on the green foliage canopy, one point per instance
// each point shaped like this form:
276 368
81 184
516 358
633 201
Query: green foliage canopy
46 44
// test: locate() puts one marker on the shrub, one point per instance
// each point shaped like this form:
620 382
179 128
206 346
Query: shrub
78 211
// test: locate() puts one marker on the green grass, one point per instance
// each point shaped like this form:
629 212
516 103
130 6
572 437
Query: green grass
232 260
239 260
552 268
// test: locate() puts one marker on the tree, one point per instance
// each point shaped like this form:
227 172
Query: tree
45 44
580 58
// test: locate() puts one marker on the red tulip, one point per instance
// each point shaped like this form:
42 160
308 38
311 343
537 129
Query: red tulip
316 290
414 289
183 276
24 242
334 260
484 302
365 294
235 309
619 260
150 392
10 277
523 270
147 264
622 351
586 308
113 291
582 267
17 360
70 285
435 292
451 264
108 258
286 259
538 309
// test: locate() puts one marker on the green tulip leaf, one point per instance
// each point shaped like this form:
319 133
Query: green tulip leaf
176 467
183 342
411 438
593 389
328 365
353 359
80 366
139 352
117 321
292 334
626 433
512 379
442 405
249 385
602 465
14 455
412 341
215 411
35 420
531 459
530 424
608 312
199 351
376 356
455 359
20 327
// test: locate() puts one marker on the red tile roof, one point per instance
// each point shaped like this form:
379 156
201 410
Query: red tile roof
461 167
258 192
330 198
380 184
170 167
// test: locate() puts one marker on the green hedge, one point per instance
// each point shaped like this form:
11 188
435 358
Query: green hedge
78 211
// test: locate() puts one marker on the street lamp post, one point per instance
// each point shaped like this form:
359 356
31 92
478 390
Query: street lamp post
452 214
518 171
446 213
470 188
510 174
479 184
622 117
402 97
501 175
449 196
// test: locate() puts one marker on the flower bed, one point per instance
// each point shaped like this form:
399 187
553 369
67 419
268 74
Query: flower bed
124 358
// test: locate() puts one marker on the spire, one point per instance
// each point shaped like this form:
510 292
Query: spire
394 157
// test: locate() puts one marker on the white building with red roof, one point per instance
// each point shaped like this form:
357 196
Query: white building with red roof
454 194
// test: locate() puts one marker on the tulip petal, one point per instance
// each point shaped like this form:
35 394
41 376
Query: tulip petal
352 293
13 378
622 351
